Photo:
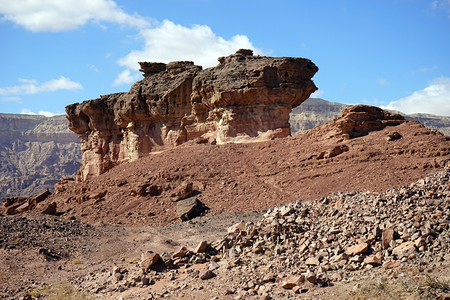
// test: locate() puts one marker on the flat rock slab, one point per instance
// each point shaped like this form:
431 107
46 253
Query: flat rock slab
189 208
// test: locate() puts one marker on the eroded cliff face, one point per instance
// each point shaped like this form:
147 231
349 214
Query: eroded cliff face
243 98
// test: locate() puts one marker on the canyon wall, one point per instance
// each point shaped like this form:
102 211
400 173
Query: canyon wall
244 98
35 152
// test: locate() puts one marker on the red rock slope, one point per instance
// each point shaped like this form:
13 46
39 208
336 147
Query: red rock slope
364 149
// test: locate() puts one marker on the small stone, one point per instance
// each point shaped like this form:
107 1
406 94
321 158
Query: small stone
180 252
296 289
236 227
205 274
310 276
183 191
50 209
118 276
357 249
374 260
292 281
145 280
386 237
312 261
201 247
337 276
270 277
391 264
213 265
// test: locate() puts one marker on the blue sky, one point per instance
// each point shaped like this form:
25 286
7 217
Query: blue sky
389 53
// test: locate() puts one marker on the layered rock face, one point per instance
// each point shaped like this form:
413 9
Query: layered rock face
243 98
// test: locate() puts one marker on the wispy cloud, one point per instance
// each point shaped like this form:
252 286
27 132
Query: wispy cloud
11 99
26 111
93 68
126 78
425 69
382 81
57 15
31 86
442 4
434 99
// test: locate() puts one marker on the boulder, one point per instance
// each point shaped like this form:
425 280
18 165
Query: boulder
205 274
386 237
292 281
201 247
148 259
404 249
359 120
183 191
50 209
189 208
357 249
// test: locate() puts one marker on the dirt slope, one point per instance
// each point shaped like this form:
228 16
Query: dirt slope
255 176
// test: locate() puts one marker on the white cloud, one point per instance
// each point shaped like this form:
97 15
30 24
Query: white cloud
126 78
425 69
434 99
11 99
317 94
171 42
26 111
57 15
31 86
46 113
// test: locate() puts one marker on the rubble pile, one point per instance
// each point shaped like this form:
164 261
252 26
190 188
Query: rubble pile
306 245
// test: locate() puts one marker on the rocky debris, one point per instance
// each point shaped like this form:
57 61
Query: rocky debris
303 246
189 208
243 98
61 185
17 205
25 232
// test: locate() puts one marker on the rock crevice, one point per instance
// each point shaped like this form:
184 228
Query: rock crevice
243 98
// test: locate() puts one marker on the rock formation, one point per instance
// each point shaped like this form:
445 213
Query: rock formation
244 97
315 111
358 120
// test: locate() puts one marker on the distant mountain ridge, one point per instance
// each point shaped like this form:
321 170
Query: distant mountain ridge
316 111
35 151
